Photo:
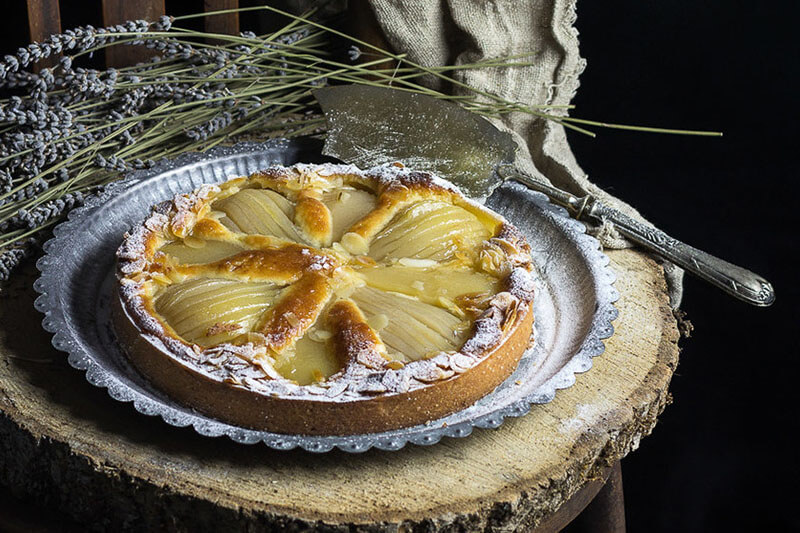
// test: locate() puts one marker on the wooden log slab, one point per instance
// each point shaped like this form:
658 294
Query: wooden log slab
66 445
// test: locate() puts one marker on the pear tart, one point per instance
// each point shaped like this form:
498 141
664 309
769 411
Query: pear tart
322 299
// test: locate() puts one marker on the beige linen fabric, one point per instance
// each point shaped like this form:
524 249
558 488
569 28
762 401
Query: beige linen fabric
440 32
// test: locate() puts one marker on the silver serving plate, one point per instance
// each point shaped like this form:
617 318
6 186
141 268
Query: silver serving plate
573 306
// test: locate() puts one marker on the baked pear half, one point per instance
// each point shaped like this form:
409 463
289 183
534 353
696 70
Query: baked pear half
325 300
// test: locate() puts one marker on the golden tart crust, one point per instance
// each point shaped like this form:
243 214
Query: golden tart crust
322 299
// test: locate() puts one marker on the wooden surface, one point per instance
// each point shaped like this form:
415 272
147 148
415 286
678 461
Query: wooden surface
69 446
606 512
226 23
119 11
44 20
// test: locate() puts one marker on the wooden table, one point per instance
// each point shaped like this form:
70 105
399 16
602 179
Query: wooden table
66 445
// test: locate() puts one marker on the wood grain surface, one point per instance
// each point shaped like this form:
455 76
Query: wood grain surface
70 447
118 12
226 23
44 20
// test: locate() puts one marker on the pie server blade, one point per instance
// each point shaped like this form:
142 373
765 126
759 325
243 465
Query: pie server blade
370 125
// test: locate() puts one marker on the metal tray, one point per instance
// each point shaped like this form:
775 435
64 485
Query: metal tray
573 305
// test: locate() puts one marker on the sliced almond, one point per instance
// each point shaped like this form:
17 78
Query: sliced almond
292 319
160 278
319 335
365 260
395 364
355 243
417 263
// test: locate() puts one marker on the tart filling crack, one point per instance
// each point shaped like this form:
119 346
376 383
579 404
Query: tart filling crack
325 285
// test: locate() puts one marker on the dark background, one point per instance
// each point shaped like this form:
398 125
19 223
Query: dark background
722 456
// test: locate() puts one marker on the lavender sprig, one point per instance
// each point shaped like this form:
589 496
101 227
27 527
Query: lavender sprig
78 39
77 129
10 258
42 214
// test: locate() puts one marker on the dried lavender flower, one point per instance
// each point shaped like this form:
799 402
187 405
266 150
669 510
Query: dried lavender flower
44 213
10 259
353 53
76 128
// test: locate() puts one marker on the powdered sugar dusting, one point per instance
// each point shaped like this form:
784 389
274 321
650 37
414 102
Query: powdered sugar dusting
521 284
391 173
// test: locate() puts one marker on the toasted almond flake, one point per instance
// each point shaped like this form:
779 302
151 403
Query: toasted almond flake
319 335
365 260
345 286
460 363
160 278
429 372
417 263
252 383
355 243
336 389
343 291
395 365
194 242
137 277
311 193
292 319
506 246
447 303
256 339
378 322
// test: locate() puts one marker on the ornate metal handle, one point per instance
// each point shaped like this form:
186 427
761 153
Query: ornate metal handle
735 280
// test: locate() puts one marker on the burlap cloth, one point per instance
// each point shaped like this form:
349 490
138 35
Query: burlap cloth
440 32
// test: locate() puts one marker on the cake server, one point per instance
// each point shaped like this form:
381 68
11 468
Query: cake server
370 125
